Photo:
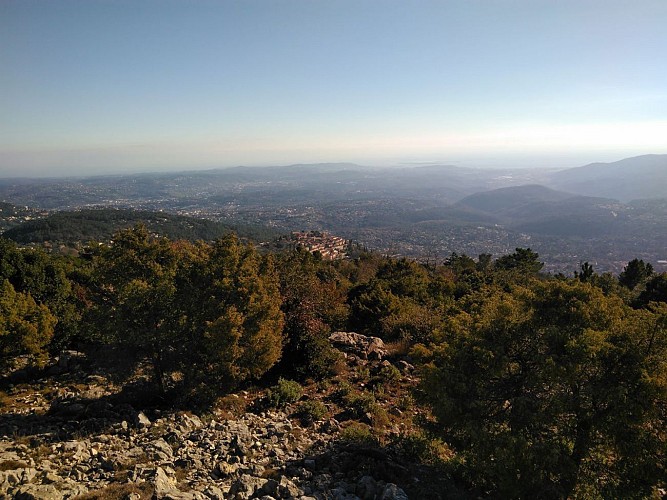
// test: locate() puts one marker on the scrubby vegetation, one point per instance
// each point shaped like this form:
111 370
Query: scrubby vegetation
522 385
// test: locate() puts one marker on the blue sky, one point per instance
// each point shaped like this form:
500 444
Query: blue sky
111 86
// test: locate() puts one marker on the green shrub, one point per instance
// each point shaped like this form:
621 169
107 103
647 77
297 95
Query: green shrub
232 405
343 390
406 402
389 374
25 326
323 385
379 417
421 354
419 447
359 434
535 385
284 393
312 410
363 373
360 403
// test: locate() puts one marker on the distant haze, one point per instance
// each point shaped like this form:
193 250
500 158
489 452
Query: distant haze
91 86
84 166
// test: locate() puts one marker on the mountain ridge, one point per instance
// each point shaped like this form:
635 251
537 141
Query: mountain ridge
638 177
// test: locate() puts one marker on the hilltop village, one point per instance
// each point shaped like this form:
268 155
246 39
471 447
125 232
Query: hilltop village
330 247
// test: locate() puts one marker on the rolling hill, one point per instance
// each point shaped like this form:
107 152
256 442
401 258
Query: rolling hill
629 179
100 224
538 209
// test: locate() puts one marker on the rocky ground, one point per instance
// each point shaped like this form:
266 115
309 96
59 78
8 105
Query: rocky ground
71 434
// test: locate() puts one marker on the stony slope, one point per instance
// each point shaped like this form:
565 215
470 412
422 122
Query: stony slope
69 434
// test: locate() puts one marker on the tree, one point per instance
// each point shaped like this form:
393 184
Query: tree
460 263
404 278
484 262
636 272
523 260
655 291
137 296
313 303
210 311
229 300
25 326
44 278
586 273
370 303
410 322
553 391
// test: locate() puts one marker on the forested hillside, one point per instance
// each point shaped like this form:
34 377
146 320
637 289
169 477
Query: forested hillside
100 224
495 380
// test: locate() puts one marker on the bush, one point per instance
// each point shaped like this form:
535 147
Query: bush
421 354
25 326
284 393
360 403
389 374
406 403
343 390
232 405
312 410
359 434
419 447
363 373
551 385
379 417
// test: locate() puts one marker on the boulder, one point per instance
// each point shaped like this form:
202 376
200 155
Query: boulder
191 421
246 486
393 492
287 489
214 493
360 345
16 476
37 492
184 495
366 488
141 420
162 482
160 450
225 469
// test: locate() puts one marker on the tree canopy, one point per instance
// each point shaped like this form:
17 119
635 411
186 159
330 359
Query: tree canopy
210 307
25 326
555 390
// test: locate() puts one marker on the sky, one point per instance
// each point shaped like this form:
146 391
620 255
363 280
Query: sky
109 86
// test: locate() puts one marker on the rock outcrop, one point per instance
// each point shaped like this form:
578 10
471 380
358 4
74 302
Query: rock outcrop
359 345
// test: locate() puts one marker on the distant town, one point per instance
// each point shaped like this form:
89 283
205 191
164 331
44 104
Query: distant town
329 247
422 213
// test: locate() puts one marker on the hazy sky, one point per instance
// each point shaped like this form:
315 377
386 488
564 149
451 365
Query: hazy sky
107 86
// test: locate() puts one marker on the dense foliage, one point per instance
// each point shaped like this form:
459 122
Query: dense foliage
199 308
554 387
25 326
544 386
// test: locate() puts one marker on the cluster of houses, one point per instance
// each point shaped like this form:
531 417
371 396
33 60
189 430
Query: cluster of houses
328 246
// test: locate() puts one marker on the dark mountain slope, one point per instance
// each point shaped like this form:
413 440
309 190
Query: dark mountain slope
537 209
100 224
629 179
511 199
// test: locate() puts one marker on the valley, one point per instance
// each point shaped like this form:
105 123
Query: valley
419 212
